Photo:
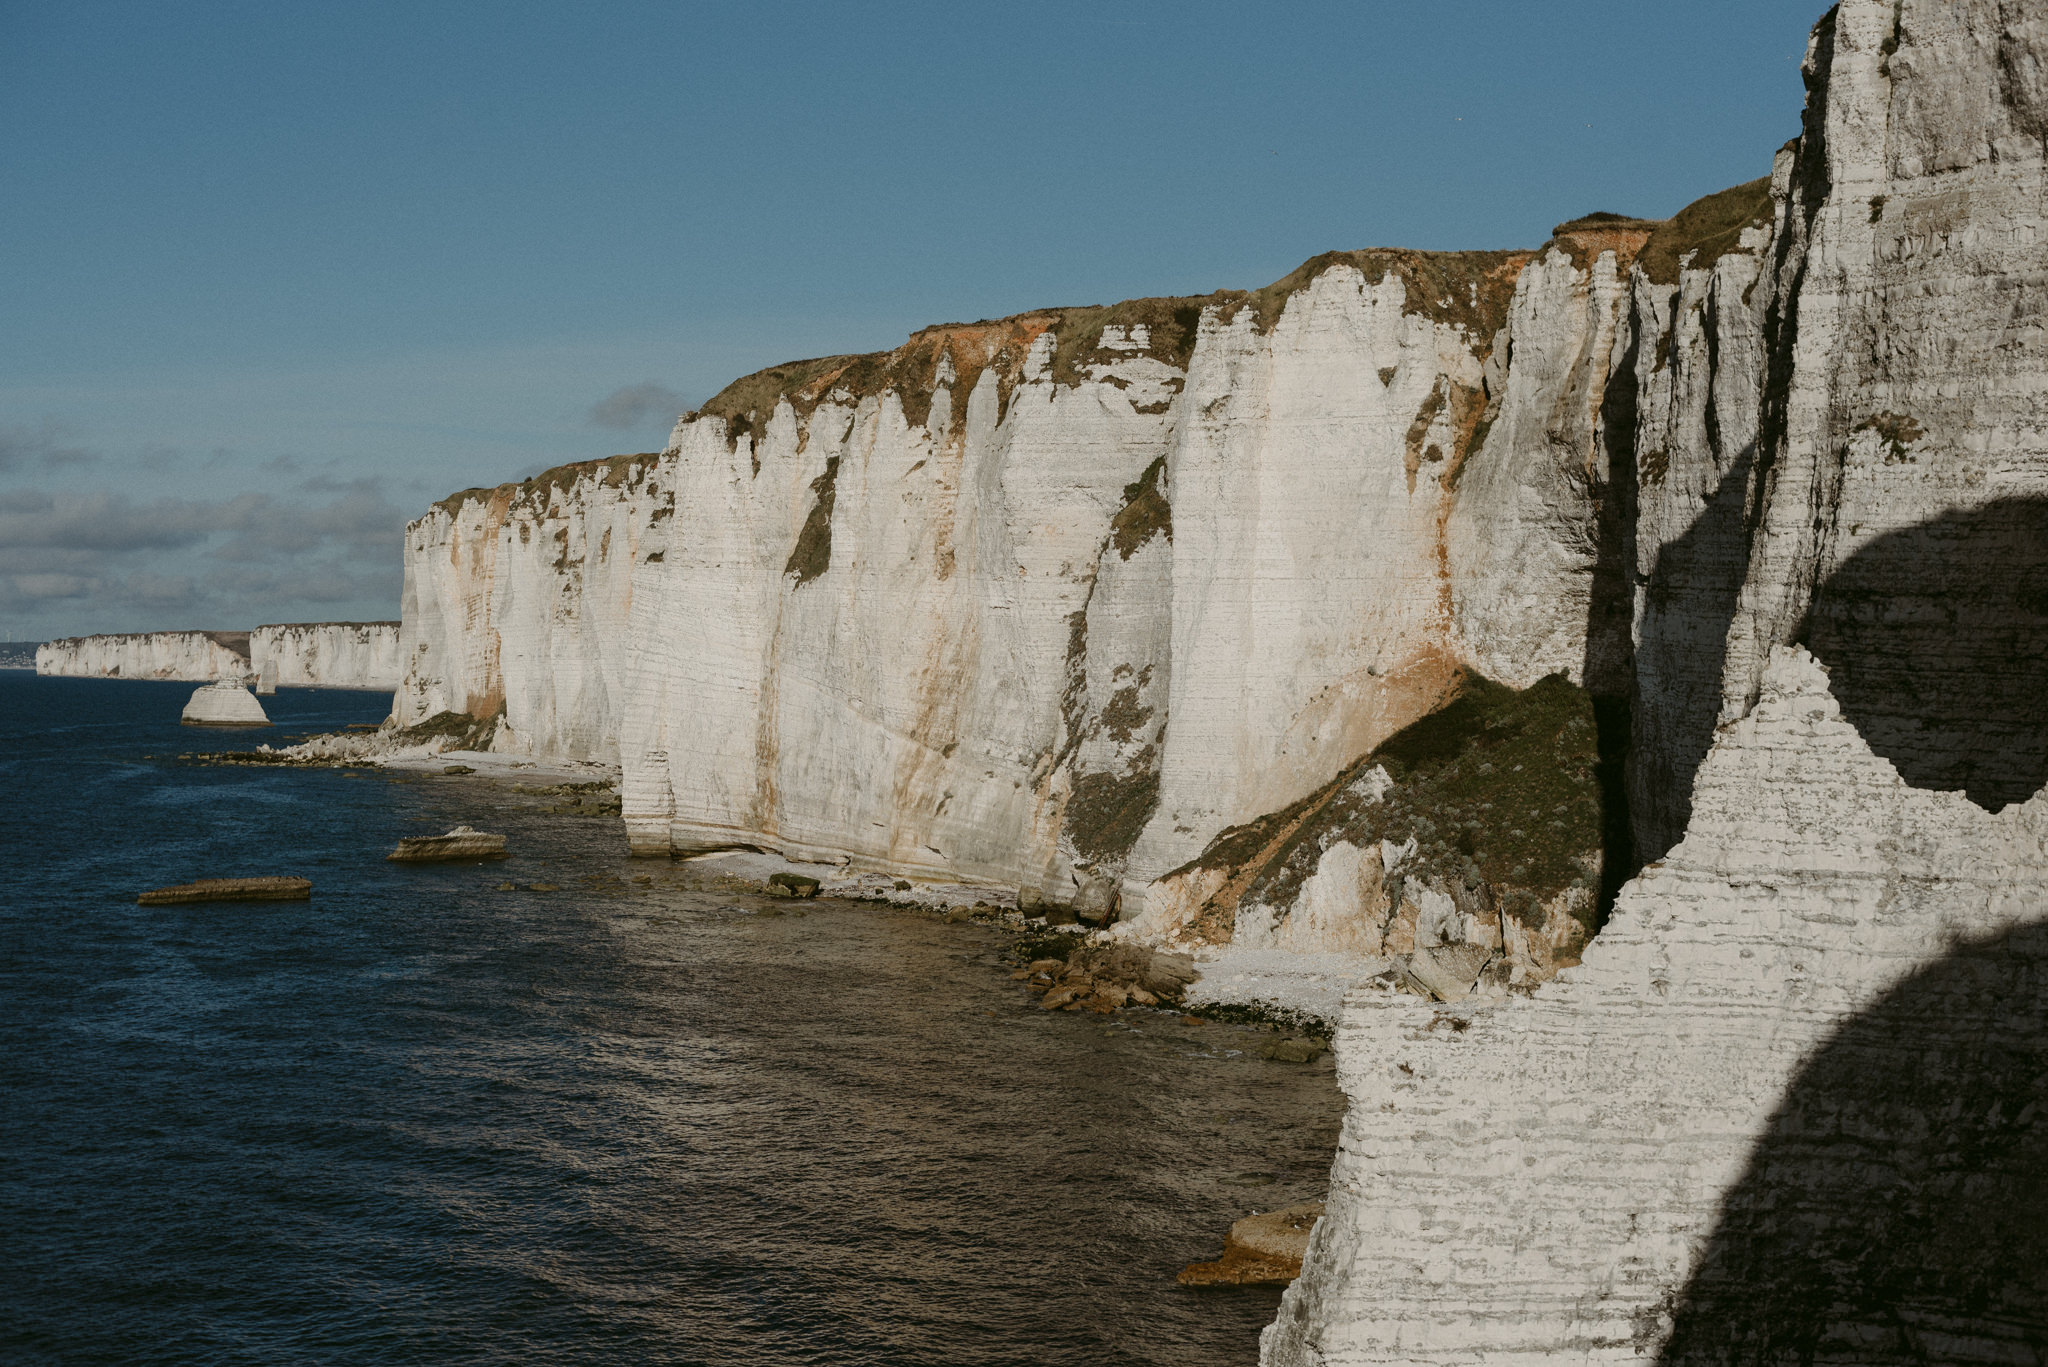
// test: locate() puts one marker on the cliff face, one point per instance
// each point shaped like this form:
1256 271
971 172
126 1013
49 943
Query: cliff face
200 656
517 603
1578 1171
1789 1104
326 655
1051 600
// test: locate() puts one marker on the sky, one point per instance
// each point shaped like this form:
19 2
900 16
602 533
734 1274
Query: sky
276 276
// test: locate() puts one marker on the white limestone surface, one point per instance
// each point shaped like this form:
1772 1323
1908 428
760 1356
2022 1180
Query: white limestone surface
193 655
516 605
1538 1177
326 654
224 704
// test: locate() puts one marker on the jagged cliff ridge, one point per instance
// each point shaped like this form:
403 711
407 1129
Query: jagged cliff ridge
1051 600
1789 1107
301 654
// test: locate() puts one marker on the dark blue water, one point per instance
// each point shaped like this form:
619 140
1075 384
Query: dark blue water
420 1119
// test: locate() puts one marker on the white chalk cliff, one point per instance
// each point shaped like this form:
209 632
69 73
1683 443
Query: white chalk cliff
326 655
196 656
1789 1105
301 655
1125 601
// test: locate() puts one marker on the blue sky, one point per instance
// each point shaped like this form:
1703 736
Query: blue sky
275 276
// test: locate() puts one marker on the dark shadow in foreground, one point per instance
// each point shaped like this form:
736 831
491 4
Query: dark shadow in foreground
1896 1209
1936 643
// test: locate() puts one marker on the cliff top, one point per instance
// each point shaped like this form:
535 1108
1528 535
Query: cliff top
297 626
540 488
1464 289
1468 290
237 641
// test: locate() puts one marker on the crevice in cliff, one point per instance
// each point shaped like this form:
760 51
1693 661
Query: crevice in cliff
1609 668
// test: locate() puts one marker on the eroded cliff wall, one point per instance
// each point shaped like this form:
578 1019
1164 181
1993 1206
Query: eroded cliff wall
326 655
1049 601
517 602
1789 1107
200 656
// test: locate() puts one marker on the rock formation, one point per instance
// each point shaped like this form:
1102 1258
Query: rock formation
326 655
224 704
1132 608
304 655
1789 1107
932 609
190 655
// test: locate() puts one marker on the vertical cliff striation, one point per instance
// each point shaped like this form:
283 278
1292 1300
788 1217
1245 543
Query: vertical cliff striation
196 656
325 655
1788 1106
517 603
1049 601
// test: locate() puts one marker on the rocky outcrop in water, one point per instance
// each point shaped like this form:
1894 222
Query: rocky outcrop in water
223 704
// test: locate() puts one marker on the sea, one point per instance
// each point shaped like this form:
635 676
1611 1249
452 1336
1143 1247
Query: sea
435 1115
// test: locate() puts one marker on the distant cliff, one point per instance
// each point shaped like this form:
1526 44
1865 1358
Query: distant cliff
326 655
309 654
199 656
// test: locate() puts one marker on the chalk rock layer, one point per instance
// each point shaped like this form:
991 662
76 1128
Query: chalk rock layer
1578 1171
326 655
191 655
1789 1105
224 704
1050 601
517 604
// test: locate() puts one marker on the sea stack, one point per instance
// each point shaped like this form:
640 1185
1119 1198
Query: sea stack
224 704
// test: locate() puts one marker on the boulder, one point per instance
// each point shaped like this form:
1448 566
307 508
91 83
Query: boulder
464 842
792 885
224 704
1260 1250
266 889
1293 1049
1447 972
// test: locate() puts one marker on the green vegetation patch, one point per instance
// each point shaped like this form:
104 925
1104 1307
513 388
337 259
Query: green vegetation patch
1496 787
812 554
1145 513
540 490
1707 229
1106 813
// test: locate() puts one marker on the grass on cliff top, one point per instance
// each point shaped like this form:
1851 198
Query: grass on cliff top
1709 229
1469 289
540 489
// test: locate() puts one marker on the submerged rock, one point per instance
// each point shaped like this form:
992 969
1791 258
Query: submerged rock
263 889
463 842
1260 1250
792 885
224 704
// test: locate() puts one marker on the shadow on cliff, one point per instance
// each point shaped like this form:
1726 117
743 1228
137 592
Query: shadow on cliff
1681 652
1896 1209
1936 643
